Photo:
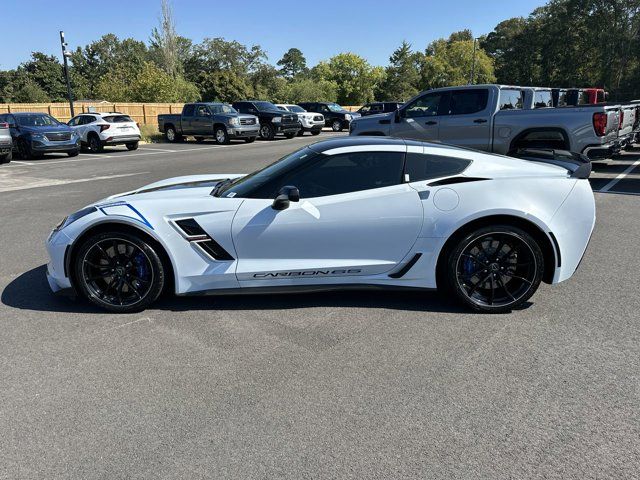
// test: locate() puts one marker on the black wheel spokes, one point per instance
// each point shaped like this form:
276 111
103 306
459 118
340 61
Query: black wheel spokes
496 269
117 271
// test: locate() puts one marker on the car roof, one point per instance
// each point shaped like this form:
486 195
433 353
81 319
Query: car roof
19 114
325 145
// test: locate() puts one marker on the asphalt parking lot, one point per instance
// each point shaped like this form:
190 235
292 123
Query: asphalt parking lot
327 385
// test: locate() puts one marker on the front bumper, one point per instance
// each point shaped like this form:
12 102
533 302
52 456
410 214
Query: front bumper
287 128
51 147
58 245
243 131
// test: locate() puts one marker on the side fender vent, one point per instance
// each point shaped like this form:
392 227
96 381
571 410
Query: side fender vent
191 230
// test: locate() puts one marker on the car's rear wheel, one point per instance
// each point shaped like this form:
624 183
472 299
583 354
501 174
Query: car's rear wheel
221 135
171 135
315 132
301 132
95 144
118 272
132 145
336 125
495 269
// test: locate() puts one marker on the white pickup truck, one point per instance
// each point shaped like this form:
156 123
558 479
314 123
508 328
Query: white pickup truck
500 119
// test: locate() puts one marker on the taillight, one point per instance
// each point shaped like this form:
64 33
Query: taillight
600 123
621 119
4 125
104 127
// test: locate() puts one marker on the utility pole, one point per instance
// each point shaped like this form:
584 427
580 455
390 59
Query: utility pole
473 64
66 55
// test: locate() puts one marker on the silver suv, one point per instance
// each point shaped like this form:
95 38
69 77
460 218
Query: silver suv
6 143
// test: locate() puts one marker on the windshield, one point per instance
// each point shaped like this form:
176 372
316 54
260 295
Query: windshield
37 120
223 109
265 106
295 109
334 107
254 183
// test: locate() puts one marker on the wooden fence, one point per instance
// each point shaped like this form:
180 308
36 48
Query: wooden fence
143 113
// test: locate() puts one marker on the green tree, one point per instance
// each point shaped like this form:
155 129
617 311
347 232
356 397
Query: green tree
309 90
293 63
402 77
164 42
46 72
356 79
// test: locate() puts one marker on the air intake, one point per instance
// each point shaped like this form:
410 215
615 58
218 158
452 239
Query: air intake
194 233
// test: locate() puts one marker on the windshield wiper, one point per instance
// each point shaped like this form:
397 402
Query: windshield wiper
218 188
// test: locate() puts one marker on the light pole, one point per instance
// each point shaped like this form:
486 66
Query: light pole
66 55
473 63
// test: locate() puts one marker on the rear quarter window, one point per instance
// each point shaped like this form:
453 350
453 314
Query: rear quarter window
511 99
420 166
117 119
465 102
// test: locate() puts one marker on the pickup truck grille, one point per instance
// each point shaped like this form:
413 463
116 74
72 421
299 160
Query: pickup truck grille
289 118
318 118
58 137
247 121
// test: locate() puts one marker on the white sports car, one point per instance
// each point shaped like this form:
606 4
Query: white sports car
353 212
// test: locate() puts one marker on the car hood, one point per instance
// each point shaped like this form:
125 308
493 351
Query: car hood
187 186
54 128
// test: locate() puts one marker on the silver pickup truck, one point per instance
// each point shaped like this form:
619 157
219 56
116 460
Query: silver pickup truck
497 118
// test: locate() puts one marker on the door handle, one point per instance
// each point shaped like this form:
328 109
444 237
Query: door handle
480 120
430 122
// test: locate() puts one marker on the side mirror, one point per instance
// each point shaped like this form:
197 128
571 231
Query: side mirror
285 196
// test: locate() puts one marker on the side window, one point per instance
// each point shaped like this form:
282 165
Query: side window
542 100
365 109
464 102
202 111
336 174
376 108
72 123
424 167
511 99
425 106
89 119
600 97
188 110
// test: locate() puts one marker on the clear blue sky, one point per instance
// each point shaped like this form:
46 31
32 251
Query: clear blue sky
319 28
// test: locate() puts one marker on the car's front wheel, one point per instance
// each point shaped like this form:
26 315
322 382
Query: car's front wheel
336 125
267 132
495 268
119 272
221 135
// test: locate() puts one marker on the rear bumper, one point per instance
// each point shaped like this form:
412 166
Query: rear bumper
604 150
121 140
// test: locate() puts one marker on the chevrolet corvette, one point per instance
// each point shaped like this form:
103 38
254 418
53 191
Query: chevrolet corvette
357 212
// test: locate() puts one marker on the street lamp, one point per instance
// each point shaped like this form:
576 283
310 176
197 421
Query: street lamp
65 56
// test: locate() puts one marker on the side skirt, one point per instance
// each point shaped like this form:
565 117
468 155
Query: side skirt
302 289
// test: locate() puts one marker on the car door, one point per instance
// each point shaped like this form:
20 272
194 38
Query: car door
188 119
420 119
355 218
202 123
467 121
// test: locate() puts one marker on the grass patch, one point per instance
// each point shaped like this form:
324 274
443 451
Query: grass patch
150 134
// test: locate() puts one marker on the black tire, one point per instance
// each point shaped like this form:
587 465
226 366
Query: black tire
95 144
25 151
199 139
336 125
171 135
267 132
494 269
315 132
290 135
132 145
221 136
250 139
110 257
73 153
301 132
6 158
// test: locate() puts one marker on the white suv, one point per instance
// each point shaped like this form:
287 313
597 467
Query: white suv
311 122
98 129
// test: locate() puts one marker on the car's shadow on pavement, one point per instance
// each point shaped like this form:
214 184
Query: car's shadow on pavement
30 291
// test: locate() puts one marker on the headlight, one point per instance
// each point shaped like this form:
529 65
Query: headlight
276 119
234 121
75 216
39 137
348 117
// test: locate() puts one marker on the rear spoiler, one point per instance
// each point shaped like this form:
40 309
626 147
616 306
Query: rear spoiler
578 165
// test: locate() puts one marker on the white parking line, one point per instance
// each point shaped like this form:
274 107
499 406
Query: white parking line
43 182
628 170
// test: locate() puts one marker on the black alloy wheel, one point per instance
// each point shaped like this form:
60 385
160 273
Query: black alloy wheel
118 272
495 269
267 132
95 144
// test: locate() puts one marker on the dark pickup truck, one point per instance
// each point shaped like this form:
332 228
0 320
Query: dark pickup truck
202 120
272 119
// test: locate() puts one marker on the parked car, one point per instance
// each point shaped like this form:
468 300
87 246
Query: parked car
311 122
34 134
335 116
272 120
493 118
347 212
96 130
6 145
378 107
209 120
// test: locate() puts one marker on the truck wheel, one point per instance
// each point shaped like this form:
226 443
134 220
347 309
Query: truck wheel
6 158
222 137
95 144
290 135
171 135
316 132
336 125
132 146
301 132
73 153
267 132
250 139
199 139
